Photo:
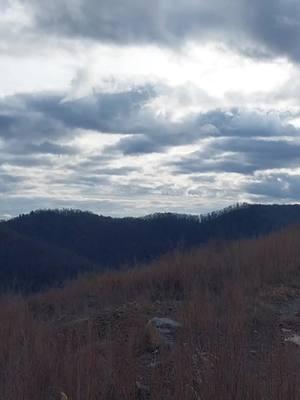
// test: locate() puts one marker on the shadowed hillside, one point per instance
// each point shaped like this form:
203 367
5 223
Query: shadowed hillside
73 240
230 329
30 264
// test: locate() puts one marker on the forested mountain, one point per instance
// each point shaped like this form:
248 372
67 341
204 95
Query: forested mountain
48 246
30 264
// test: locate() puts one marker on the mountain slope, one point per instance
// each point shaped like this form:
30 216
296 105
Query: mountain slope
29 264
111 242
106 240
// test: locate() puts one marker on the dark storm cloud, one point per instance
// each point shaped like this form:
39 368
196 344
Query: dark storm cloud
26 161
19 120
218 123
33 126
25 153
257 28
243 156
276 186
8 182
19 148
45 115
141 144
106 112
242 123
38 123
95 175
84 181
51 148
34 129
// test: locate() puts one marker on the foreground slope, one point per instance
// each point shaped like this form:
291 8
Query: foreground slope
236 305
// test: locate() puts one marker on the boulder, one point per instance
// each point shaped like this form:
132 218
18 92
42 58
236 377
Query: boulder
294 339
161 333
54 393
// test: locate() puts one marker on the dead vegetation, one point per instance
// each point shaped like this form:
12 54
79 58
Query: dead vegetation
234 302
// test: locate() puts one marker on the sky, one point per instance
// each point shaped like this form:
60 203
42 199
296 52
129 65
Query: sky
129 107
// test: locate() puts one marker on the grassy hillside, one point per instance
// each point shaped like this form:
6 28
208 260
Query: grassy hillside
238 305
75 239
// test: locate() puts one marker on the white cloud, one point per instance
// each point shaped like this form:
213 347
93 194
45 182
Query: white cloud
97 105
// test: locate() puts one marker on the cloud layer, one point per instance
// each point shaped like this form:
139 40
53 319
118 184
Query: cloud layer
138 106
138 153
256 28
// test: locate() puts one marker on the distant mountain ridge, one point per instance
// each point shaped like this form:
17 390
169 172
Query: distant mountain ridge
28 264
46 247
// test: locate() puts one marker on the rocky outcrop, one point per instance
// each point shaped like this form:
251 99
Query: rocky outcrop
293 339
54 393
161 333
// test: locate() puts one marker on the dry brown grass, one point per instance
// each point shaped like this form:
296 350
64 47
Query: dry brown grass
87 339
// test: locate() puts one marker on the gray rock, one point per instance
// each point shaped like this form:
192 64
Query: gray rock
161 332
294 339
54 393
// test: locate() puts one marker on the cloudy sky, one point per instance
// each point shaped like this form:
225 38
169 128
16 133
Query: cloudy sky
126 107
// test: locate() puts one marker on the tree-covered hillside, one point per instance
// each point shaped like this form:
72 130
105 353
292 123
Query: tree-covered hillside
30 264
47 246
